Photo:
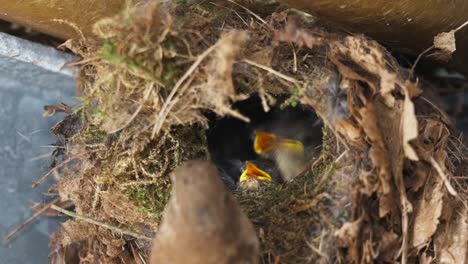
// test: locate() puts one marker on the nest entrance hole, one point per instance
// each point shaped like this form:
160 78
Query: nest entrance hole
230 140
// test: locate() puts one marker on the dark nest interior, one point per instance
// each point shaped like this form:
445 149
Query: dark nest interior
166 84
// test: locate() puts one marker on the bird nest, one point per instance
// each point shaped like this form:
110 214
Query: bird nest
382 189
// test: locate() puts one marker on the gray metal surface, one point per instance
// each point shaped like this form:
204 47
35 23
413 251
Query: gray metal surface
31 76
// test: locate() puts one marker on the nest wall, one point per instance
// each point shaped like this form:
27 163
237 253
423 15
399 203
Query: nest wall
382 189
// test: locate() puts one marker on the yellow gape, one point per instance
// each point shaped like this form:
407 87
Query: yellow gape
252 172
267 142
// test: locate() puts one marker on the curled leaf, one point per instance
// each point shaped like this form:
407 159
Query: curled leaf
409 126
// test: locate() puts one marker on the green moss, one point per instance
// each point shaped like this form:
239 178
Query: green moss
293 100
110 54
150 199
95 135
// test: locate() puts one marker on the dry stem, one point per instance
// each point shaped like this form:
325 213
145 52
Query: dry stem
36 183
30 219
98 223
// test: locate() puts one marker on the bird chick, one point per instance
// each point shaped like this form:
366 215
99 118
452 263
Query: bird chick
287 153
253 177
266 143
202 223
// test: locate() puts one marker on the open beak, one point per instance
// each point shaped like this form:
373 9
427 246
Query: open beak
255 173
267 142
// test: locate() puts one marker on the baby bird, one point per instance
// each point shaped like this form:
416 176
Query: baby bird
287 153
253 177
266 143
202 223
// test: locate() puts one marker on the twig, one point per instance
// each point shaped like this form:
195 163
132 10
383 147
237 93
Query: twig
36 183
294 58
462 26
98 223
270 70
30 219
318 252
442 175
250 12
165 109
264 99
138 183
136 256
406 208
431 104
419 58
432 47
225 7
130 120
42 156
404 230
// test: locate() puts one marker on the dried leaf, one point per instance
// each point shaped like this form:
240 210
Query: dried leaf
425 259
389 243
451 242
348 236
443 176
370 65
419 173
413 89
409 126
218 90
427 211
369 182
446 42
378 152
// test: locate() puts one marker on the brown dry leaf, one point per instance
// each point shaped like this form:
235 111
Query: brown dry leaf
427 210
348 236
378 152
413 89
371 59
451 242
419 171
351 131
425 259
219 88
446 43
369 182
389 244
382 120
409 126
